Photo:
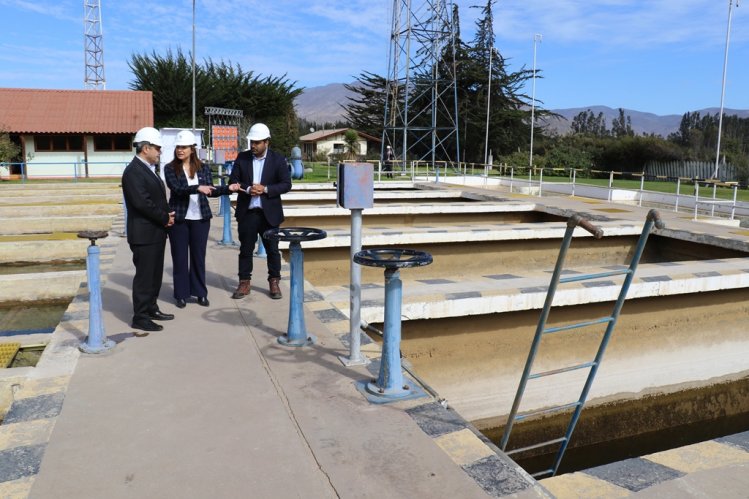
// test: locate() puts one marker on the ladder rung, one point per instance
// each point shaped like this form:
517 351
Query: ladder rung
577 325
547 411
588 277
562 370
537 474
536 446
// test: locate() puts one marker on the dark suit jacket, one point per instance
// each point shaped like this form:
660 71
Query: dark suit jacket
180 191
147 208
275 176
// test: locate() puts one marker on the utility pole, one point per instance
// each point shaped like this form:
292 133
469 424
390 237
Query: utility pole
723 87
536 40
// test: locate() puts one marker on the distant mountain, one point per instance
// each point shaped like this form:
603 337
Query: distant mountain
324 104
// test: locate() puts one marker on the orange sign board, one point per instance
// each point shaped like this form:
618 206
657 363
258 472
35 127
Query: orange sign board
225 138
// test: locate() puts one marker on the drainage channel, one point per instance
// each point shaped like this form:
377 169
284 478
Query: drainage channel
614 432
24 318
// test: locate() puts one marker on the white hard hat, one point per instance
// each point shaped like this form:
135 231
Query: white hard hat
258 131
148 134
185 138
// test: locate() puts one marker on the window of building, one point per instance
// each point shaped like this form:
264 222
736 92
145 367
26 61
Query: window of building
113 142
58 142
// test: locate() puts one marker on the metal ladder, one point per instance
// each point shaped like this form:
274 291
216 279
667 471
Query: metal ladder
576 220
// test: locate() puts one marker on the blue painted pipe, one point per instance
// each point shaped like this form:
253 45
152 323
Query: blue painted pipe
260 253
226 210
297 168
390 380
296 335
96 341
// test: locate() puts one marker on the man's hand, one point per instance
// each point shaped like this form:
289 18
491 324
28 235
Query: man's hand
234 187
206 189
257 190
171 219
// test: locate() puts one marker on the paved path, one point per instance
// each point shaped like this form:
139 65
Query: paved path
213 407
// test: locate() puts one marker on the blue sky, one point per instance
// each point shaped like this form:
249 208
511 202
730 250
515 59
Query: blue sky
659 56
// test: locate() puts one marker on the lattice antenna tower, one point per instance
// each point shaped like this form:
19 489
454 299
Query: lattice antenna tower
421 105
93 46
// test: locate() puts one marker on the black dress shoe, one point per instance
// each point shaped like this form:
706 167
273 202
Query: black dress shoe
203 301
146 325
161 316
180 303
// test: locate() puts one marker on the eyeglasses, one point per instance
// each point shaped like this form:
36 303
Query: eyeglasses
183 147
158 148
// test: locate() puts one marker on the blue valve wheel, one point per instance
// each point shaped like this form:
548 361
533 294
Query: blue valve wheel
392 258
295 234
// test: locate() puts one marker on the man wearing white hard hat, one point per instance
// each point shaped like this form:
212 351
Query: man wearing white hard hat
263 175
148 216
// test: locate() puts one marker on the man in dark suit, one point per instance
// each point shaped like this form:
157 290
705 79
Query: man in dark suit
263 176
148 217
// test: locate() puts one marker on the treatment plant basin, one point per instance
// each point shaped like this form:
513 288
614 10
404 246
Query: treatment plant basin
677 352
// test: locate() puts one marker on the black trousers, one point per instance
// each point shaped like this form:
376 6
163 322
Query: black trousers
188 241
149 269
252 225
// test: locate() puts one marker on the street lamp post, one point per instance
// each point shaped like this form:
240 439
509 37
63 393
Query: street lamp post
536 39
193 66
723 87
488 102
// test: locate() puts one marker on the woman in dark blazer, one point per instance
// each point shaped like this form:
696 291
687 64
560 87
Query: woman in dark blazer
190 183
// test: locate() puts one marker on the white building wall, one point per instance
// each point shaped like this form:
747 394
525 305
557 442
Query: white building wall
71 164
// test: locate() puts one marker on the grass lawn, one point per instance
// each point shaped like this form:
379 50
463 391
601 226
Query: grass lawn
323 173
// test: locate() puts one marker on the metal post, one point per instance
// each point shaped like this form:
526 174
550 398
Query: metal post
574 177
260 253
642 188
390 380
488 101
536 39
96 341
355 357
227 239
296 335
723 87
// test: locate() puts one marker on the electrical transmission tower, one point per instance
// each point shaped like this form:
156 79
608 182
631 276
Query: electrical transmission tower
421 105
93 46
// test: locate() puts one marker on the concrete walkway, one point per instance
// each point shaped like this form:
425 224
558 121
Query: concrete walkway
213 406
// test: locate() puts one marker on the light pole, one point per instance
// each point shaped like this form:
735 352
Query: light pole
536 40
193 66
488 102
723 87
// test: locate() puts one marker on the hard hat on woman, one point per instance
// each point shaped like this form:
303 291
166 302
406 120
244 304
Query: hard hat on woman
185 138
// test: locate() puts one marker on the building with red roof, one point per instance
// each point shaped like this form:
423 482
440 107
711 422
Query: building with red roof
73 133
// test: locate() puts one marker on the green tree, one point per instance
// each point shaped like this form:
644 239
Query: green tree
621 126
9 150
351 139
365 109
222 84
586 123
